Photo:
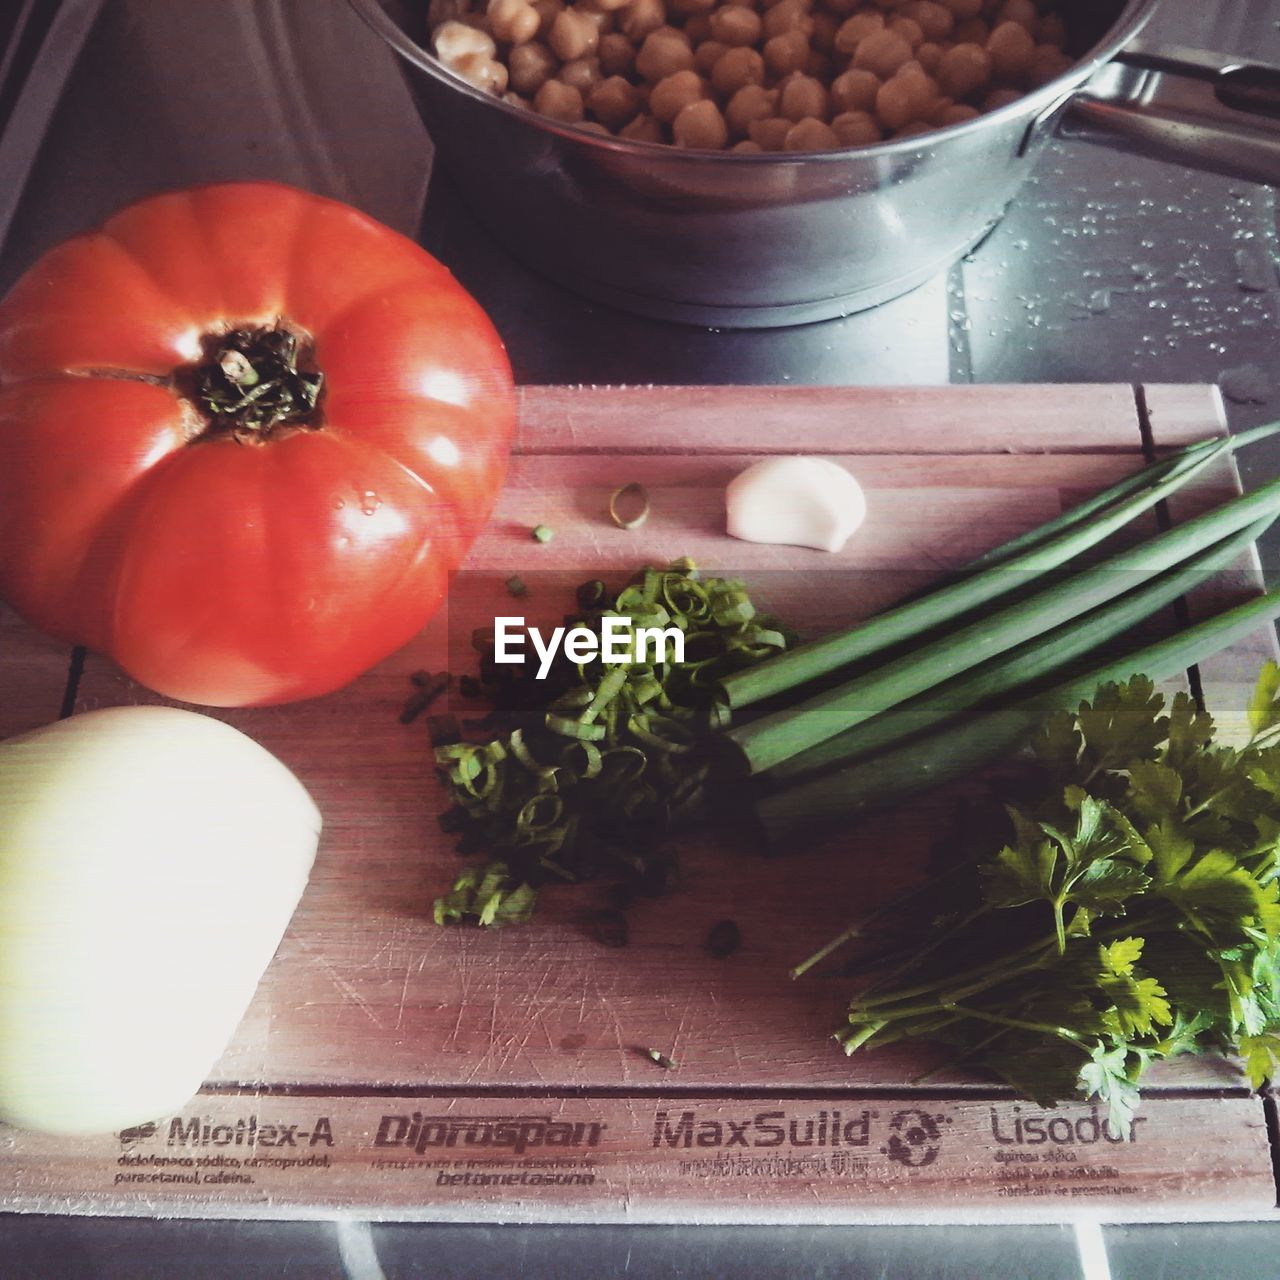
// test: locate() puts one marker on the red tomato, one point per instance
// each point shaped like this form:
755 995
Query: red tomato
235 526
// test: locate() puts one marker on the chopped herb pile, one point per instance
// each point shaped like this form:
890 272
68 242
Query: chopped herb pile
1130 915
599 761
486 895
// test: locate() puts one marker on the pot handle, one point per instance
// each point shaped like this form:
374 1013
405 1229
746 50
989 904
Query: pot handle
1185 105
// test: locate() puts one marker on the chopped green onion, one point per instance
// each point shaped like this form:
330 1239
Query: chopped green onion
606 756
629 506
542 533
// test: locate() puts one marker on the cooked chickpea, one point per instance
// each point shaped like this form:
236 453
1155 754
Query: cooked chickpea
531 66
734 24
1023 12
707 54
1052 30
617 54
747 147
823 35
910 31
513 21
803 97
604 19
998 98
582 73
686 7
674 92
441 11
642 128
752 102
613 101
700 125
819 66
874 68
641 18
737 67
895 103
698 29
559 101
1047 62
935 20
787 15
882 52
678 32
786 53
770 134
854 91
929 55
547 11
810 135
964 69
454 40
971 31
593 126
955 113
484 73
856 129
1012 48
853 31
663 55
573 35
923 90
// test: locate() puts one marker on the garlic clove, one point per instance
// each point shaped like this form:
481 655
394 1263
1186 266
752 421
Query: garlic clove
802 502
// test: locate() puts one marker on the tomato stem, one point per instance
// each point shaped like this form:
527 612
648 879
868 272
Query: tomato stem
250 382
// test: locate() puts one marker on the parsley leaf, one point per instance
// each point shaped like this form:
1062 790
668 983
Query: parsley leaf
1123 724
1106 1077
1264 706
1131 814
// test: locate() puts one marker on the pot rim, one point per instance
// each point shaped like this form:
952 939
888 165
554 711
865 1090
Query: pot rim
1132 19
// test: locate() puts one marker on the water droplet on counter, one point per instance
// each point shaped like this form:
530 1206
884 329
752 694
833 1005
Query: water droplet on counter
1255 271
1246 384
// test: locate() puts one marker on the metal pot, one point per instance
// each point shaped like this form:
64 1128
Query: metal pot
753 241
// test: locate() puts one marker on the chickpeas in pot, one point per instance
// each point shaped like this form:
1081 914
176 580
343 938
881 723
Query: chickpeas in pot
767 75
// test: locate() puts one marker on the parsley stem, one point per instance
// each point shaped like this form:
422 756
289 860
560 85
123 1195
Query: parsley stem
823 952
858 929
1040 1028
1035 949
932 945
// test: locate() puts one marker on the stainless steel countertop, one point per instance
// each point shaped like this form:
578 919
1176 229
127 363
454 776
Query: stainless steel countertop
1108 268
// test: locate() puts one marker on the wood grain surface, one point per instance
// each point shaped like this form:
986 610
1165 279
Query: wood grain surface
367 1000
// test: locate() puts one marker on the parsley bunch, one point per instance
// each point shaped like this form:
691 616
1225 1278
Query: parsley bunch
1131 915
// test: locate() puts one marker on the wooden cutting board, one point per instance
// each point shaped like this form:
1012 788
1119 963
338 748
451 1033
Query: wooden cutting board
400 1070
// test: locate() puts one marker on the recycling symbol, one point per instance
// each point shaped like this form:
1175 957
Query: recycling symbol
914 1138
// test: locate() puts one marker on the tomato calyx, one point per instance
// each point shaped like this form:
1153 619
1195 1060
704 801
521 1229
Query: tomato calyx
250 383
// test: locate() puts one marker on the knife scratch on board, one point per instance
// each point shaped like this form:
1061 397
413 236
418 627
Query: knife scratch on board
343 985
